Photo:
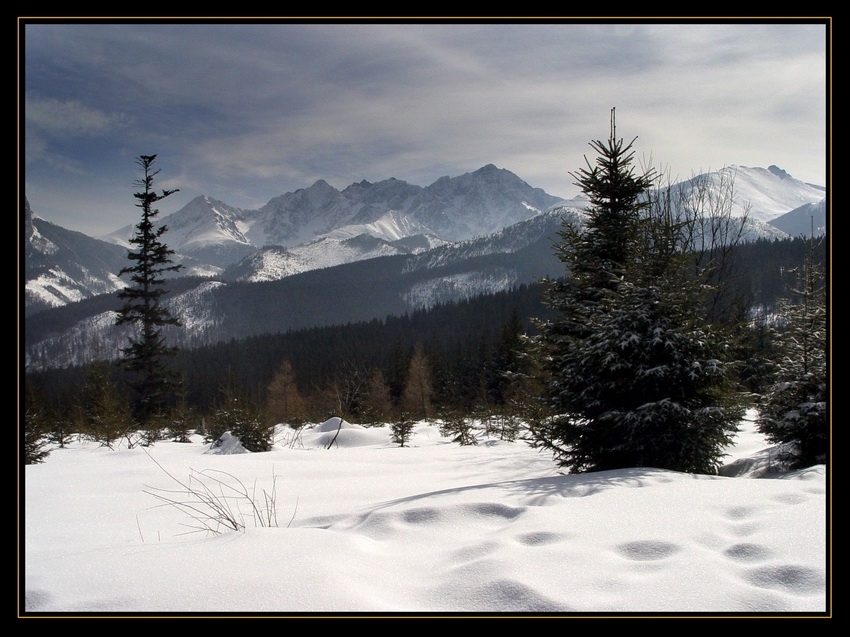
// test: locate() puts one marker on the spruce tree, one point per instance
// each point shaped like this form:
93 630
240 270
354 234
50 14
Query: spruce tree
459 428
506 360
152 382
401 431
634 373
794 410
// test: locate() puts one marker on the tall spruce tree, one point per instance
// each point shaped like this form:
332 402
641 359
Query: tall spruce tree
635 374
152 381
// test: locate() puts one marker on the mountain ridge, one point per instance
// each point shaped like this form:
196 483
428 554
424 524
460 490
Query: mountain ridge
387 224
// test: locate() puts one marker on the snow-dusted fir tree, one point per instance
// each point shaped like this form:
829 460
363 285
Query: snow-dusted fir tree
401 431
153 382
794 410
635 374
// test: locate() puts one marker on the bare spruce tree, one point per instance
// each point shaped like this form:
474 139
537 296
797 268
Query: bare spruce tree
153 383
284 401
416 400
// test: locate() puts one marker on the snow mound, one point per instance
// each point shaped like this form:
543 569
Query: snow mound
336 432
227 444
335 423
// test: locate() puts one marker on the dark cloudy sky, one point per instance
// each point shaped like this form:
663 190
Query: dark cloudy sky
246 112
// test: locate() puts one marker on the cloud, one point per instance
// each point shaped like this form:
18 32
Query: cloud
68 118
250 111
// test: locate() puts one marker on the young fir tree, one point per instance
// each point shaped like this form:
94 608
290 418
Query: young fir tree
460 428
634 373
402 430
795 408
153 382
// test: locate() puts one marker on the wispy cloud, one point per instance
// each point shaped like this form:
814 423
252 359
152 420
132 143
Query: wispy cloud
69 118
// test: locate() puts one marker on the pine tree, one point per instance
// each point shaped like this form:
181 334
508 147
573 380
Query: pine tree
635 374
143 307
794 410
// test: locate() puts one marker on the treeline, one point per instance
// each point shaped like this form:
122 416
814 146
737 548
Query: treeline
464 351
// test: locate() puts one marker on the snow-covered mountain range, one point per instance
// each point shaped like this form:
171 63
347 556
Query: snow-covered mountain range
450 209
480 232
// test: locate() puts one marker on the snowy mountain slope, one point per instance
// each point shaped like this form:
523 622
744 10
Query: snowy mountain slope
478 203
62 266
762 193
452 208
97 337
391 226
205 230
459 287
368 241
804 221
273 263
298 217
345 245
506 241
363 290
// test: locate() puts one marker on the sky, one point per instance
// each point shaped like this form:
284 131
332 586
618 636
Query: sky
368 528
246 112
